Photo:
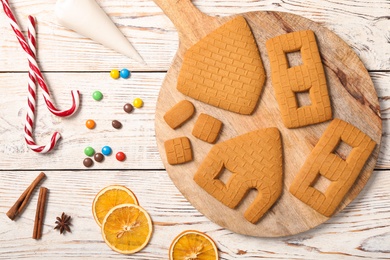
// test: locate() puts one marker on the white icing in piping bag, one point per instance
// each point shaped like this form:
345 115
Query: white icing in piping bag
87 18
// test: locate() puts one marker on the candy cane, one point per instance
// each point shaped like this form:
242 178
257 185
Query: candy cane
35 68
31 99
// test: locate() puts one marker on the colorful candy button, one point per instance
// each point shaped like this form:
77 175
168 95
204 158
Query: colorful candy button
128 108
106 150
115 74
89 151
120 156
124 73
87 162
90 124
97 95
98 157
138 103
116 124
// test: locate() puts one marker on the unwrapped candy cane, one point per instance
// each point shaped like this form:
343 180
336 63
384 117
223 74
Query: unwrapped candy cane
35 75
31 100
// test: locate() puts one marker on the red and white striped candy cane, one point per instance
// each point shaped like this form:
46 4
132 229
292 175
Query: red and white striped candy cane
29 124
35 68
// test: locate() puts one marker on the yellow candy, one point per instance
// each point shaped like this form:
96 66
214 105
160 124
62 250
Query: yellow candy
138 103
115 74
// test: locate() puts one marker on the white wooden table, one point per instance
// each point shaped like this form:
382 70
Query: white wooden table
70 61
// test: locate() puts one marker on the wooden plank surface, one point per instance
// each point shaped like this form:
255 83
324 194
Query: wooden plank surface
357 22
135 138
360 231
70 61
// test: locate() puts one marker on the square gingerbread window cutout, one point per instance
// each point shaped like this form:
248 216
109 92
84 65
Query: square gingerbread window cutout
321 183
289 79
303 99
178 150
207 128
343 150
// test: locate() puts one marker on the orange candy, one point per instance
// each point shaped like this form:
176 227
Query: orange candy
90 124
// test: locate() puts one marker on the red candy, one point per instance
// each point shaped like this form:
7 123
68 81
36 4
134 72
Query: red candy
120 156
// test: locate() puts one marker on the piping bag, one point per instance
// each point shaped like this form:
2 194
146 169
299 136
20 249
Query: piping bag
87 18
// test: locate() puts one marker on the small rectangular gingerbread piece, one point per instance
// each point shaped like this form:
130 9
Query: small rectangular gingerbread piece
324 162
179 114
178 150
207 128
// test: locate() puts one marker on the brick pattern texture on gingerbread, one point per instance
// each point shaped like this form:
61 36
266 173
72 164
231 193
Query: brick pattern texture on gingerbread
288 81
178 150
323 161
255 161
224 69
207 128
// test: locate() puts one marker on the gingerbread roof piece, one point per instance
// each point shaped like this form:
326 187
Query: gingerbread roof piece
224 69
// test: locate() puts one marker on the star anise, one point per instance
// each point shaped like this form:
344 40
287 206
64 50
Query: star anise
63 223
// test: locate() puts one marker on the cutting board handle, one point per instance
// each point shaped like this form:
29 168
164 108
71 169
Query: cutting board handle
188 20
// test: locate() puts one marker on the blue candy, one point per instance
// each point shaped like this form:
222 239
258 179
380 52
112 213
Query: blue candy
106 150
124 73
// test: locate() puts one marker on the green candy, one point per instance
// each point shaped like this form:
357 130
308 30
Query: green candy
97 95
89 151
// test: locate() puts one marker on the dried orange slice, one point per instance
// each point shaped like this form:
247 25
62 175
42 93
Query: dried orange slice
110 197
127 228
192 244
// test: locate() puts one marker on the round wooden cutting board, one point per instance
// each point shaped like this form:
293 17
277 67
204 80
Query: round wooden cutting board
353 99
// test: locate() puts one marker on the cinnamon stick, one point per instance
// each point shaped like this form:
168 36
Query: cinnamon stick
40 213
21 203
